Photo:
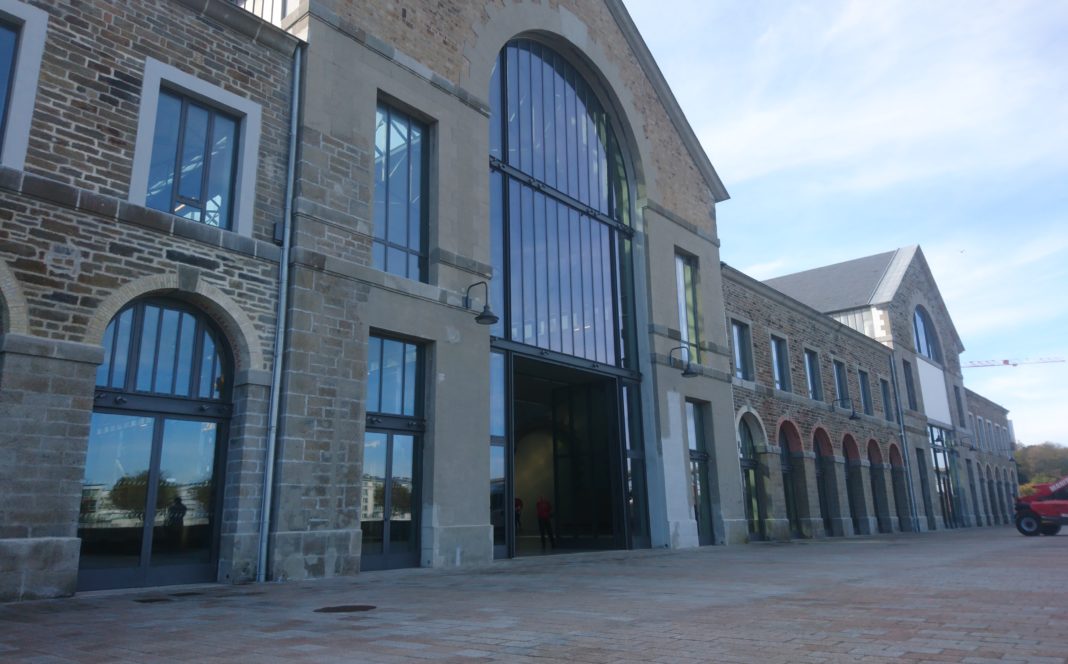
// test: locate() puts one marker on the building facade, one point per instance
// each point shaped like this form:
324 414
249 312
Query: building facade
290 290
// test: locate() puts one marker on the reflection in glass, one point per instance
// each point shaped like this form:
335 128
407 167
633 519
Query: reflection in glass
400 493
115 490
373 492
184 513
497 494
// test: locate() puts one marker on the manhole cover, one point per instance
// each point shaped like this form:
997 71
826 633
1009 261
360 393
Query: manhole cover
345 608
153 600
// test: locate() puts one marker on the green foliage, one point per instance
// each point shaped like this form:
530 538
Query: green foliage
1041 463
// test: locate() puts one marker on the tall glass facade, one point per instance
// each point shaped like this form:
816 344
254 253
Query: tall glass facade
559 210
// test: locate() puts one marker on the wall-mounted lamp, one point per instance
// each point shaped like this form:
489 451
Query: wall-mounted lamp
487 317
688 370
848 403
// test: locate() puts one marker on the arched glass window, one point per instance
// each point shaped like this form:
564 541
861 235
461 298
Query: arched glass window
752 486
926 337
559 208
150 493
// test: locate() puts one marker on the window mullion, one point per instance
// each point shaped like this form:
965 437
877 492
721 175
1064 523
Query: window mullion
176 184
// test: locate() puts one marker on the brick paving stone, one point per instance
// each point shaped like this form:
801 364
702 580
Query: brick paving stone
975 596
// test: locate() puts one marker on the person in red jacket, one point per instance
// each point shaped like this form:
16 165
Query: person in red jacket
545 525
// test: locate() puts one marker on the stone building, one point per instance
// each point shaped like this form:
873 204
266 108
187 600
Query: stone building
893 298
294 289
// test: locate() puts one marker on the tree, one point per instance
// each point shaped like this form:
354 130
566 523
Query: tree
1041 463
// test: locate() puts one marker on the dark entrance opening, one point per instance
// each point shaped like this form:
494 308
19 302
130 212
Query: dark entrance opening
567 453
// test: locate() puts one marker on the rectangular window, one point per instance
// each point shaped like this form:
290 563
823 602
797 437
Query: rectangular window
865 392
780 364
393 376
910 386
194 161
22 38
400 209
743 351
197 149
841 383
686 292
960 404
888 406
812 375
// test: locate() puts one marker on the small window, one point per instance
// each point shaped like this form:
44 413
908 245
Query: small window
865 392
888 406
400 210
194 161
393 369
686 292
197 150
910 386
743 350
22 38
841 383
812 375
780 364
960 404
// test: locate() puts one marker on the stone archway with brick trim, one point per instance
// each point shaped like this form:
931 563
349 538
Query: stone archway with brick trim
14 316
239 329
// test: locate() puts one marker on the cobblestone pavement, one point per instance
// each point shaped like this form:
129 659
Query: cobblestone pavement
976 595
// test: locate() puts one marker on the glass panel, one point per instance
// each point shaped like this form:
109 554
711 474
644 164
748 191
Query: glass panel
495 109
373 492
525 152
691 426
548 117
374 374
541 273
168 345
512 117
411 356
184 367
497 495
515 262
8 44
497 409
147 356
164 152
217 204
528 272
397 211
208 364
381 183
415 194
496 284
115 490
184 514
122 348
552 256
194 140
537 129
401 532
392 376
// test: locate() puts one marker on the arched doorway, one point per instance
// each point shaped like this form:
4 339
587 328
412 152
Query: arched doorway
900 488
752 479
153 471
855 486
879 500
826 486
795 494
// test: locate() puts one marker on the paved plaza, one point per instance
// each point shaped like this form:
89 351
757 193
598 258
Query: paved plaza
976 595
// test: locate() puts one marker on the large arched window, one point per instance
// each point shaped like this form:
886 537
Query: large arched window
752 481
560 210
926 337
150 493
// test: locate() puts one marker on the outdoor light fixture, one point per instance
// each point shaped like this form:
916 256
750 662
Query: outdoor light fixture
487 317
688 371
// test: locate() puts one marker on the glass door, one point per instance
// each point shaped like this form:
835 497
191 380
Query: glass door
148 509
387 514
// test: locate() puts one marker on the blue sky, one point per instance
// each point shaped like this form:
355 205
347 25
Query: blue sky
847 128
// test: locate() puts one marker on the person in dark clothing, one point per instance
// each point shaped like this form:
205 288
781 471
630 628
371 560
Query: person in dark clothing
545 525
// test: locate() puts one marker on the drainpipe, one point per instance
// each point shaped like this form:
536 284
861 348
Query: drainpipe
274 414
913 512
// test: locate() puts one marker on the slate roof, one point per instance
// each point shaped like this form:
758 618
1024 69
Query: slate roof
850 285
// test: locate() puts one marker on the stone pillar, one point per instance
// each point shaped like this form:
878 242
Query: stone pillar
881 473
776 525
866 520
804 465
46 404
842 522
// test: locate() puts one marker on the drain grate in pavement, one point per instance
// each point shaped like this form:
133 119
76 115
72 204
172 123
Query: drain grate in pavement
345 608
153 600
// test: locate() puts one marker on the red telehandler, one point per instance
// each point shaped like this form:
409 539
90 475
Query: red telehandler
1044 511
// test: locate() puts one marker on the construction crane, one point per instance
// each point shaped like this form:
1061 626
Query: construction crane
1010 363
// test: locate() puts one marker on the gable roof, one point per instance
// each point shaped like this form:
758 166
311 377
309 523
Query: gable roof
849 285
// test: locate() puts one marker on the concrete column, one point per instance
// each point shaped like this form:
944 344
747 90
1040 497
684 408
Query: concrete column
46 404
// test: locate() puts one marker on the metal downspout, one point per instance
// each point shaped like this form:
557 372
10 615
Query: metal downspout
907 454
274 414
